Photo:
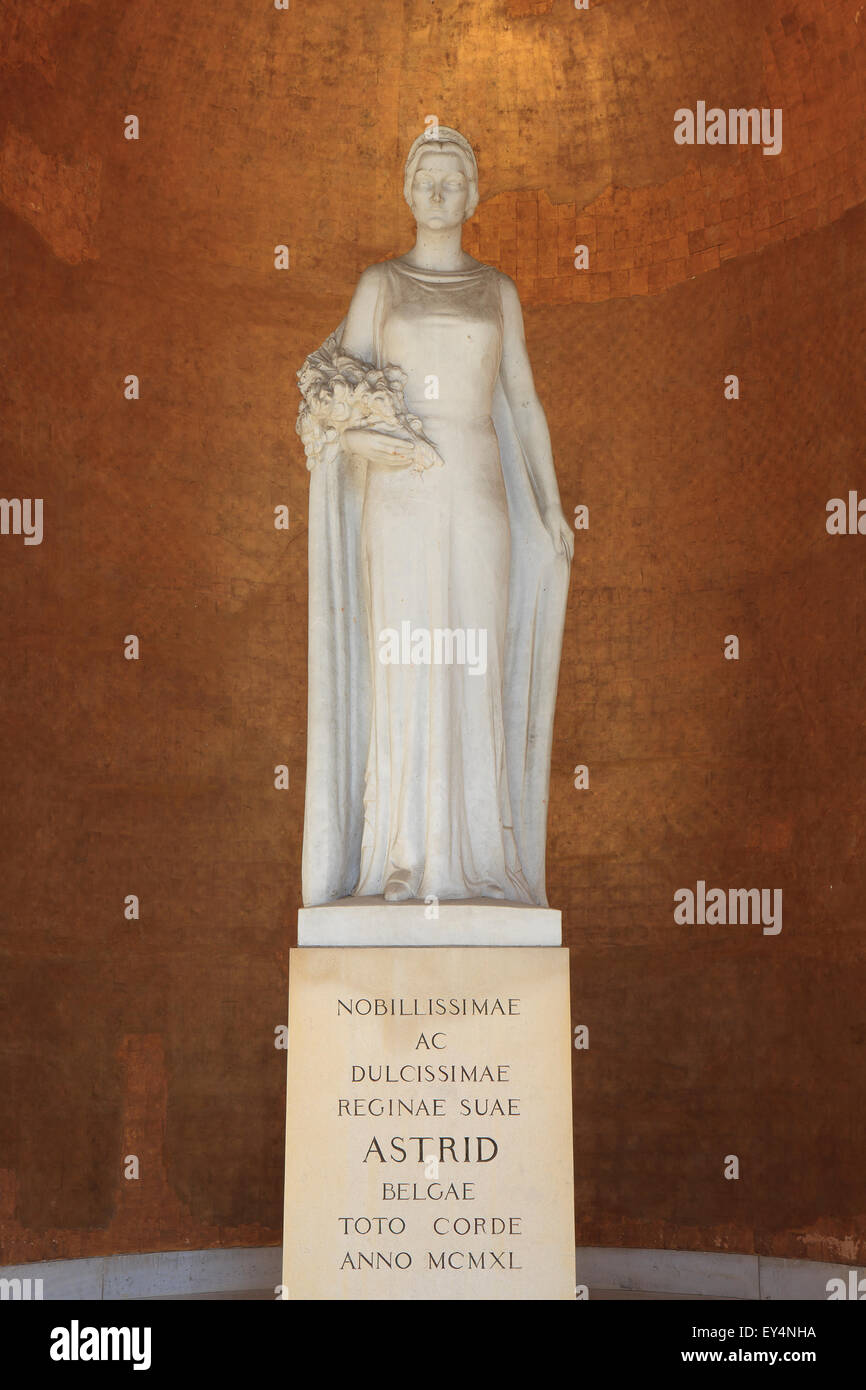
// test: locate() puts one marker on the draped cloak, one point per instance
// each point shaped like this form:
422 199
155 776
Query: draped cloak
341 651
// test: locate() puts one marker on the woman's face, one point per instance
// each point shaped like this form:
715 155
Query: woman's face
440 191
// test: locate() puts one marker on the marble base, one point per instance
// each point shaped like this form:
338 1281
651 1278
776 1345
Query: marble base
470 922
428 1128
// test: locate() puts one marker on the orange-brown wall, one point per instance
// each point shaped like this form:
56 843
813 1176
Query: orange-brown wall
707 518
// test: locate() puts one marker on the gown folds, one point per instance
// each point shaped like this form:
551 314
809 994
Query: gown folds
436 611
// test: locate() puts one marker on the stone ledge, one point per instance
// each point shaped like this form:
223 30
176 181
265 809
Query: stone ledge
469 922
648 1273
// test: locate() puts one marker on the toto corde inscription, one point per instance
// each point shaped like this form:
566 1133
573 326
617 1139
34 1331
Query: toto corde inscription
429 1124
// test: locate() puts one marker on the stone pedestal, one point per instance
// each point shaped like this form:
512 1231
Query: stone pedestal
429 1145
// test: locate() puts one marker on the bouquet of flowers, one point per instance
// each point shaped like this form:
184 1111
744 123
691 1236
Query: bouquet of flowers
341 392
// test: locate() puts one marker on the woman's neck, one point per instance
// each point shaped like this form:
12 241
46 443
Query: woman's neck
435 250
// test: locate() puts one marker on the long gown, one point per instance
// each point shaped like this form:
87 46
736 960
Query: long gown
435 551
429 769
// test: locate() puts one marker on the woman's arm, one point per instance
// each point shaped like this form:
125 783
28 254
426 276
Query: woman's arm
530 420
373 445
358 333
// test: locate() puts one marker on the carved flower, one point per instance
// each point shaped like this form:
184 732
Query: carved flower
339 391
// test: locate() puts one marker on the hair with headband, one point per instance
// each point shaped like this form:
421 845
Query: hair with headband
451 142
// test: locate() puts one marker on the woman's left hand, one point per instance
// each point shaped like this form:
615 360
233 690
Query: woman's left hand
559 531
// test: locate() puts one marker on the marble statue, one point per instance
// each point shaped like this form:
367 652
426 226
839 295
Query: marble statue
439 562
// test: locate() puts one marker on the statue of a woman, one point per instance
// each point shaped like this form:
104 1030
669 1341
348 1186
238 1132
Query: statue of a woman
439 562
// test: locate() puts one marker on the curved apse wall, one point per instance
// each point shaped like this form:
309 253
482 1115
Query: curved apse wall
707 518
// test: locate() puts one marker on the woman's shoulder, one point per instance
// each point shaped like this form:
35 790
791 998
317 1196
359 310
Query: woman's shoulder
508 293
372 274
504 283
369 284
503 280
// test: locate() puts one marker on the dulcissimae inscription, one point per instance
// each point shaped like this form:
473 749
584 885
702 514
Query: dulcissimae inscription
423 1071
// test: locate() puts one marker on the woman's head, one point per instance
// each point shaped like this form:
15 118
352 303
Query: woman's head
440 183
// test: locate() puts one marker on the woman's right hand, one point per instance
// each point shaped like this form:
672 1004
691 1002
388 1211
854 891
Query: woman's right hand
378 447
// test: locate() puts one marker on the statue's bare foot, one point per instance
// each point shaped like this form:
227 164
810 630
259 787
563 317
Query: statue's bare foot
399 887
